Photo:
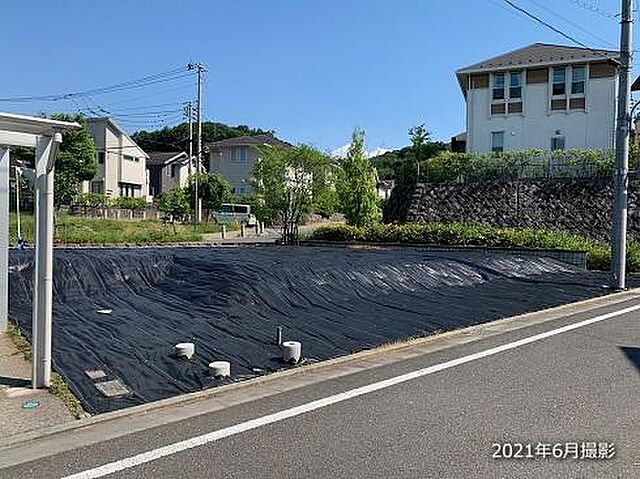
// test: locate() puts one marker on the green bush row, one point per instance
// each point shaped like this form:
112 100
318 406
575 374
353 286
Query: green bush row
457 234
449 166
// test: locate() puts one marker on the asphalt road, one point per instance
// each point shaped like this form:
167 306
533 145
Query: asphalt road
578 386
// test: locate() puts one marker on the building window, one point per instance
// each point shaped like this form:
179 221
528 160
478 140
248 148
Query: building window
131 158
97 187
172 171
515 85
559 81
578 77
498 86
101 157
497 141
238 154
557 143
130 190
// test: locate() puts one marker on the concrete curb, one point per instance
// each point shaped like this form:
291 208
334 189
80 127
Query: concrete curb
469 334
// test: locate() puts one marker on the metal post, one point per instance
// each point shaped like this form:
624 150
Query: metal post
19 236
43 287
4 237
621 172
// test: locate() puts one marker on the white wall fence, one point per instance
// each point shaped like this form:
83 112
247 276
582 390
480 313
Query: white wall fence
116 213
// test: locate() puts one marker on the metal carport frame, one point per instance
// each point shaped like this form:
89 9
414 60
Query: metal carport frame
45 136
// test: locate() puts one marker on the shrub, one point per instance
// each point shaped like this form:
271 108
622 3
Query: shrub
512 165
91 200
127 203
457 234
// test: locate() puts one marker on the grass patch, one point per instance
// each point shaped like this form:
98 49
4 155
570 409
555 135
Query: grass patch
95 231
58 387
19 340
457 234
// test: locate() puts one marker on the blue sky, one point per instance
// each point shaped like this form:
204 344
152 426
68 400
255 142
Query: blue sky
310 70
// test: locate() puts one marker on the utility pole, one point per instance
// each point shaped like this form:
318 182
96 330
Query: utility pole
200 70
621 171
188 112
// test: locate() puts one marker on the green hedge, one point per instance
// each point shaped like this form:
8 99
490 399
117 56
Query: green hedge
457 234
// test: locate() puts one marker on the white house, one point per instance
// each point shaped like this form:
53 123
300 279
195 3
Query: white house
167 170
541 97
122 167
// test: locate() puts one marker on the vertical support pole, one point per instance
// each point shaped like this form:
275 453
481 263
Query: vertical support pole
4 237
621 171
199 199
43 284
17 175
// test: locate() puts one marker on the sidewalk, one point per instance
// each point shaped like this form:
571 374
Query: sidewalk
269 235
16 393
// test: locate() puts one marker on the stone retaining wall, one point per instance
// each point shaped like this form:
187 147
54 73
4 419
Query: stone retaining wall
575 206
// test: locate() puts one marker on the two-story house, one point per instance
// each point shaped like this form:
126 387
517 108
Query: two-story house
167 170
234 158
541 97
122 167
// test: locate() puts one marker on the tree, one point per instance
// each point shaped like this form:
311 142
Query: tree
173 203
170 138
402 165
286 180
76 161
326 203
213 190
357 185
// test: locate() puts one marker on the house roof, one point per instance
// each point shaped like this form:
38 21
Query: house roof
255 140
165 157
635 86
115 126
541 54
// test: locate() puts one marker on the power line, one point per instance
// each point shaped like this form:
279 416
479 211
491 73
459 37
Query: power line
145 107
170 75
548 25
593 8
574 24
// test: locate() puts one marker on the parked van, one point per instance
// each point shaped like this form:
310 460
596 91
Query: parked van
230 213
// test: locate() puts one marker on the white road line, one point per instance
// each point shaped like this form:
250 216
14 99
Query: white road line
177 447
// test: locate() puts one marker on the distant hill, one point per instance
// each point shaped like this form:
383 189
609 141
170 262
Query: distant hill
177 137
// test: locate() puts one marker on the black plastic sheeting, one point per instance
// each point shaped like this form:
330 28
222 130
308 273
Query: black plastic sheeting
228 301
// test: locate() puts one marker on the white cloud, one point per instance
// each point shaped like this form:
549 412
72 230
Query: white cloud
341 152
378 151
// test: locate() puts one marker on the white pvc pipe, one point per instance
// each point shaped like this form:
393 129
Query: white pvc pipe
220 369
43 288
4 237
291 351
185 350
